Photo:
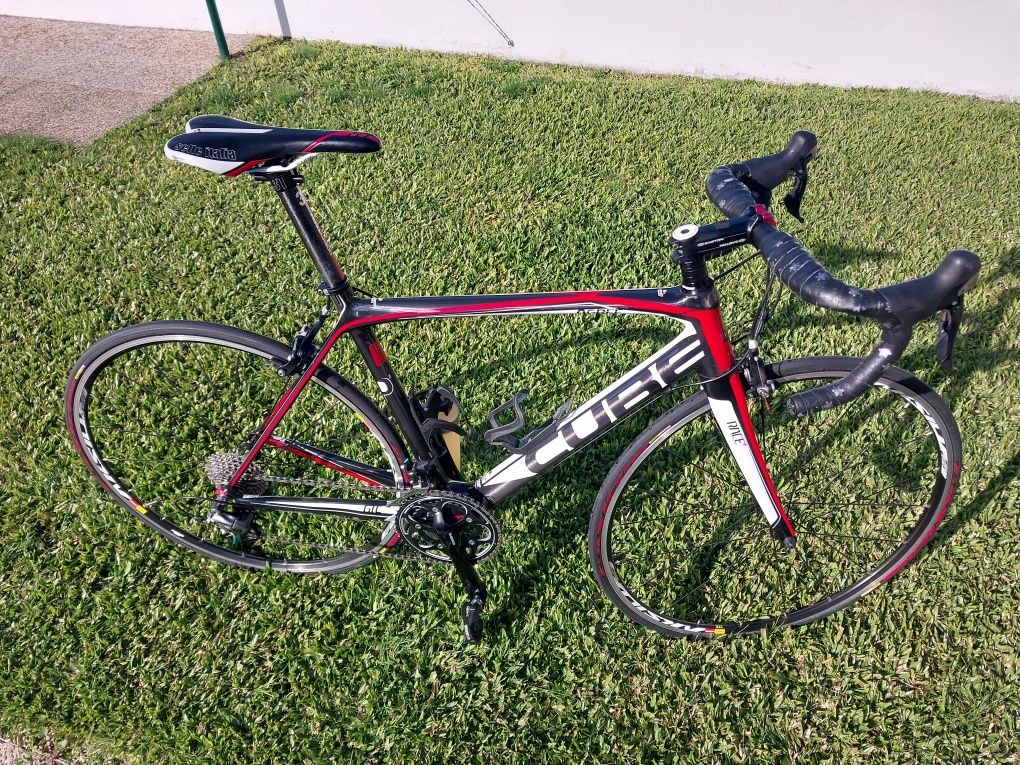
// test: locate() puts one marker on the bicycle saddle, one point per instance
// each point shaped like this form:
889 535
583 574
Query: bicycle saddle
231 147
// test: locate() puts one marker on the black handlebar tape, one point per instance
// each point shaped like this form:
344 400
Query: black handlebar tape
758 176
894 342
729 193
908 303
810 281
736 188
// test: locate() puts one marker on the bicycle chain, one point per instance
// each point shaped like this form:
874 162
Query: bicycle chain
324 484
319 483
339 550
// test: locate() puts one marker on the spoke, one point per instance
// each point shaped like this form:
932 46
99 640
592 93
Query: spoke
717 538
862 501
666 493
719 478
837 550
703 582
168 394
175 477
653 491
124 429
827 535
809 454
127 459
681 515
832 479
852 504
702 553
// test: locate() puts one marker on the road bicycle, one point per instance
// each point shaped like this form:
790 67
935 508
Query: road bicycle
774 495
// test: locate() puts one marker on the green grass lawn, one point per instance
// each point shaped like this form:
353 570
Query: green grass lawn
495 177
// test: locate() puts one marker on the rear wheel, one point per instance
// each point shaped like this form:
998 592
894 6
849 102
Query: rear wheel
162 414
679 545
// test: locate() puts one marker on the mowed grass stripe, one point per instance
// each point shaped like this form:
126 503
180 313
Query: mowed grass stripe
495 177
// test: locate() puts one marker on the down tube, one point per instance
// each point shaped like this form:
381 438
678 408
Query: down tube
646 381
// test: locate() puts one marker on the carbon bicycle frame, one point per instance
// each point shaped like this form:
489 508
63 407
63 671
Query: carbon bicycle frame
700 345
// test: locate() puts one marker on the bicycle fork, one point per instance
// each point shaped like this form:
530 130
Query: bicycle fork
727 398
728 403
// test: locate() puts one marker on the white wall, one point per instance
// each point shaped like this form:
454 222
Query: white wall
959 46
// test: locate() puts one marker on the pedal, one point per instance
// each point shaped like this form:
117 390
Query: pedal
503 434
471 617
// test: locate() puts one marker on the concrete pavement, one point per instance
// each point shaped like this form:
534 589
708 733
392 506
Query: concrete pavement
72 82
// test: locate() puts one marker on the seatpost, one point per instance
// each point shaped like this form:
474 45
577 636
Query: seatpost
286 184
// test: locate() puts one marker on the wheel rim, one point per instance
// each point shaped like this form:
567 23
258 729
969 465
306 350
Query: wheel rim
863 492
149 413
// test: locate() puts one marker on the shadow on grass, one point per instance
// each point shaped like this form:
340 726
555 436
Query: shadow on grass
978 325
1001 482
988 323
516 603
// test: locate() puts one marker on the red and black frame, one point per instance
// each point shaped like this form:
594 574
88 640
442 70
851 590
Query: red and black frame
701 346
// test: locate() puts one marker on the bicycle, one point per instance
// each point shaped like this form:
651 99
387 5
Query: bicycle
776 494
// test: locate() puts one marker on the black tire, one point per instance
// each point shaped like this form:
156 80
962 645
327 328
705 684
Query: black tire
149 405
679 545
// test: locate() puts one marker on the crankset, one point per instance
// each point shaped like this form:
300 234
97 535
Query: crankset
426 521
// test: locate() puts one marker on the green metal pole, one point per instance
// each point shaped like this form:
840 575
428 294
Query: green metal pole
217 28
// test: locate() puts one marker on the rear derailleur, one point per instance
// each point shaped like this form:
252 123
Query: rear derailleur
237 522
452 528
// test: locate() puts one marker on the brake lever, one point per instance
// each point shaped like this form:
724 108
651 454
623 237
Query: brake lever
949 326
795 195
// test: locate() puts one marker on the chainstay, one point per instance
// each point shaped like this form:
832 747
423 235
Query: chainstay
339 550
334 549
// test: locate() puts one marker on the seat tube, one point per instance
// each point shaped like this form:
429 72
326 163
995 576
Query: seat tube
287 186
334 283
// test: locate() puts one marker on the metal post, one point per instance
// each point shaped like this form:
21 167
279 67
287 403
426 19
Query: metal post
221 40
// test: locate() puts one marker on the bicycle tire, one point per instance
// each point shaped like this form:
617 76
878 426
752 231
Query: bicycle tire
710 567
148 405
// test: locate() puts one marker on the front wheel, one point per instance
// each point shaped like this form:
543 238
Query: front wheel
678 543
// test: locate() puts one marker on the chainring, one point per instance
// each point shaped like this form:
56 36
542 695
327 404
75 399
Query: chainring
479 533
